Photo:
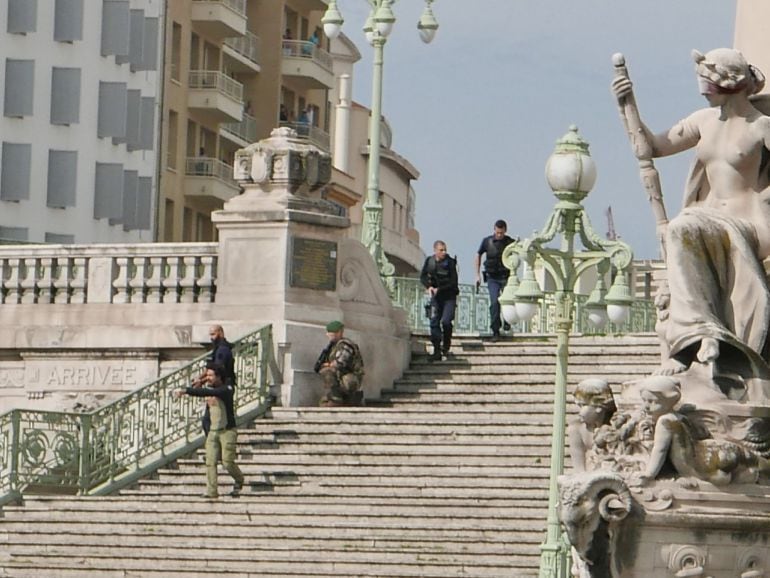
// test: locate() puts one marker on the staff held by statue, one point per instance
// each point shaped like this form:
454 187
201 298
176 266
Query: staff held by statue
642 147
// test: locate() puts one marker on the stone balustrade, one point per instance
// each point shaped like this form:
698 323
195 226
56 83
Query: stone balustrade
137 273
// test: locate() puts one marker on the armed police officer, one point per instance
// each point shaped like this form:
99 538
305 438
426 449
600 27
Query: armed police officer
341 367
495 273
439 277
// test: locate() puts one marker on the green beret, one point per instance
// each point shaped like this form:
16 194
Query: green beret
334 326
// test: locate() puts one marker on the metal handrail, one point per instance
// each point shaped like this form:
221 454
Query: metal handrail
98 452
472 313
215 80
246 129
305 130
307 49
246 45
238 6
209 167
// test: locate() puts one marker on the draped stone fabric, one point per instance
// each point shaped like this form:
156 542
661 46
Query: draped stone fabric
718 284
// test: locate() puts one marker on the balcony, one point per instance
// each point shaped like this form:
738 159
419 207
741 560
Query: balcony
215 95
243 53
209 181
242 133
309 66
218 19
310 133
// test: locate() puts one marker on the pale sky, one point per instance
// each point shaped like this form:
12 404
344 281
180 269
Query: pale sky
478 111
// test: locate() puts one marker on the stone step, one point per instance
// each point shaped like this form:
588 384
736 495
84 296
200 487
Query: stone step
280 529
170 567
467 415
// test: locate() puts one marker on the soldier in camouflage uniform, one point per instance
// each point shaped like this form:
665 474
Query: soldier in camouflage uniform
341 367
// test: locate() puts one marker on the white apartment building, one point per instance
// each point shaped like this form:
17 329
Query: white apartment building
79 83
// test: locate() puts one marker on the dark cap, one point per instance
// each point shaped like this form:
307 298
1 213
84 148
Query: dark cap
334 326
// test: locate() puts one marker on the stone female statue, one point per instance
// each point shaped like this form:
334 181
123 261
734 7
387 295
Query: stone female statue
714 248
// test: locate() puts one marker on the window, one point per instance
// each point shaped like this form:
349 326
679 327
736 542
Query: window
19 87
68 21
14 233
130 186
168 221
62 178
14 180
144 204
147 124
108 191
116 25
59 238
65 96
135 39
150 47
173 136
176 50
22 16
113 97
133 103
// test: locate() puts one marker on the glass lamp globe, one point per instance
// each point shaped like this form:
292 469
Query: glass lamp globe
508 311
597 317
570 170
526 310
618 313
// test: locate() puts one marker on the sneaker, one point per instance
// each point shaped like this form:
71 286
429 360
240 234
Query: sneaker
237 487
210 496
435 356
495 338
447 353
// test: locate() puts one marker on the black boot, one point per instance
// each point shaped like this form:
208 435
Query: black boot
447 341
436 355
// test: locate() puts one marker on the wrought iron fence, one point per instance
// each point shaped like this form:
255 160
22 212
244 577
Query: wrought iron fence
103 450
472 315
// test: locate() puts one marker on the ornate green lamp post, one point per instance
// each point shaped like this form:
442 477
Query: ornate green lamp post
571 174
377 28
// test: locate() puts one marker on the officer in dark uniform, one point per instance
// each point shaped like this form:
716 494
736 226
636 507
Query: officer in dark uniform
439 277
495 273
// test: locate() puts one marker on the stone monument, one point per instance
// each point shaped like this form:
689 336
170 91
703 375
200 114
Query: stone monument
672 476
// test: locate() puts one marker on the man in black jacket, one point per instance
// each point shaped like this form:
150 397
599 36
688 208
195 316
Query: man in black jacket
222 438
495 273
439 276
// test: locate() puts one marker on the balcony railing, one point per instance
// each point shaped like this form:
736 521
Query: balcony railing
247 46
208 167
215 80
472 317
245 130
312 133
306 49
238 6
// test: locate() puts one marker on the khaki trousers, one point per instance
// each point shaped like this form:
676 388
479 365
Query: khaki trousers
221 442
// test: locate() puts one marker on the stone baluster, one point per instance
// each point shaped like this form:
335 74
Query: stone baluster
153 284
11 283
187 282
45 289
77 272
61 280
28 280
121 283
206 282
137 280
170 281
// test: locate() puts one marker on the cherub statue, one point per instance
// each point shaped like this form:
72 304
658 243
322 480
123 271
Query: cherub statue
596 406
689 447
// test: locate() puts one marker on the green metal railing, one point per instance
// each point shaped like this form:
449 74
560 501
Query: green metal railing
106 449
472 315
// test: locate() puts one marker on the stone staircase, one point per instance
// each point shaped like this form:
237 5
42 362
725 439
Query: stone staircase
446 475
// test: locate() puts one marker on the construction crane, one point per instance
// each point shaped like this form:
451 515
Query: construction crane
611 234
